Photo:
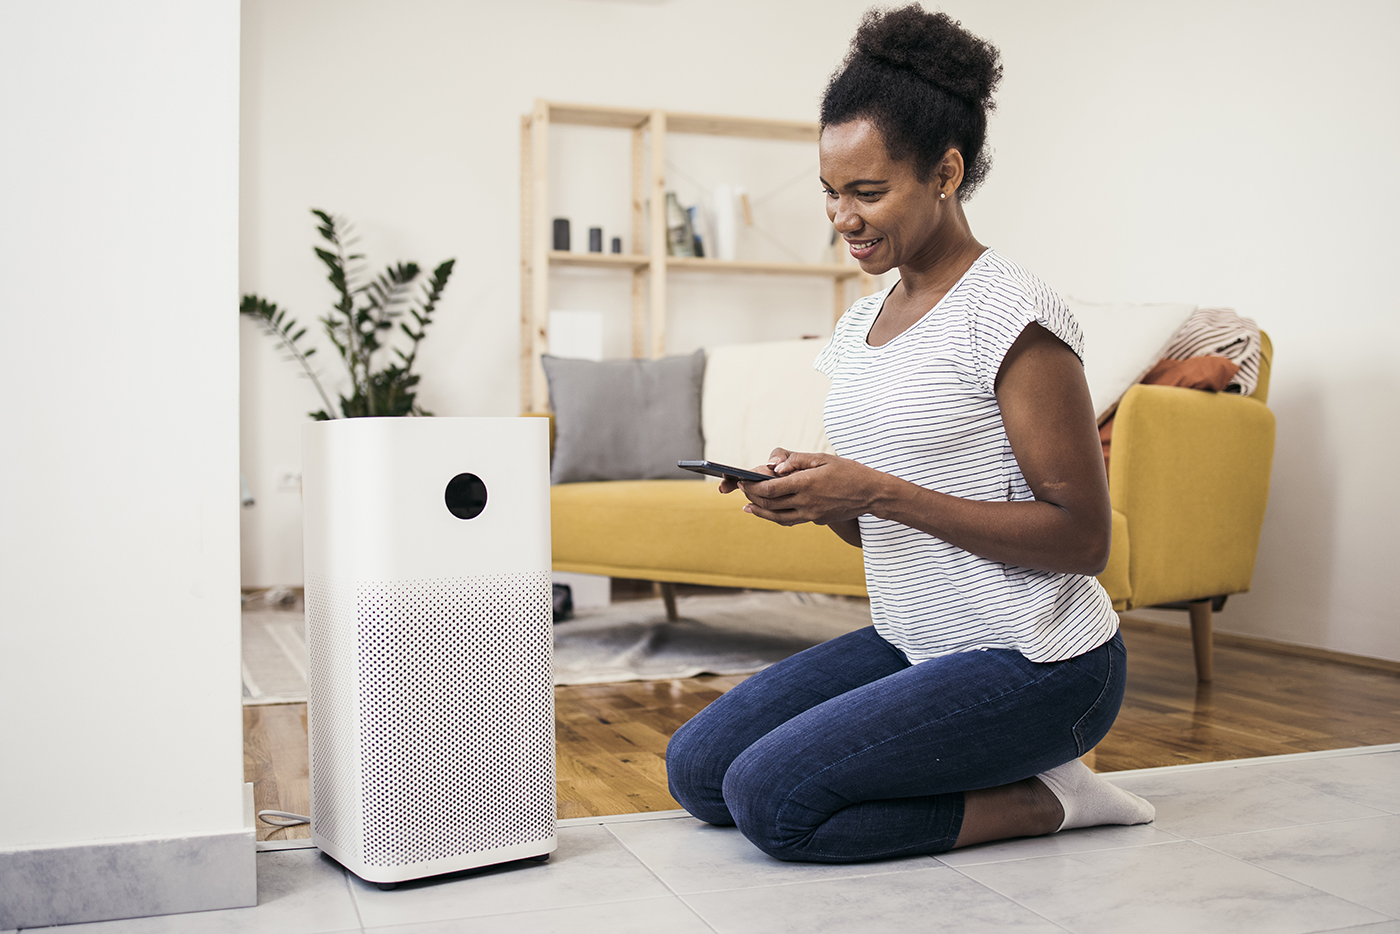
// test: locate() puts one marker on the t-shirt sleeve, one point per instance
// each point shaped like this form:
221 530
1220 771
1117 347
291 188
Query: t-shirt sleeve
829 357
1005 313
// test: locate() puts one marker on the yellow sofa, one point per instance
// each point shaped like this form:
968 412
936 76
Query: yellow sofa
1189 480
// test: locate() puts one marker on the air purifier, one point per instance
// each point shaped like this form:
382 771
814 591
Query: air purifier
428 604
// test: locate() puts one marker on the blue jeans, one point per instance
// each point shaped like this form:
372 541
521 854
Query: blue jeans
847 752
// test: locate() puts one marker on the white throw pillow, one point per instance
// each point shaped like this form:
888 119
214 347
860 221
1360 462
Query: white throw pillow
1121 343
757 397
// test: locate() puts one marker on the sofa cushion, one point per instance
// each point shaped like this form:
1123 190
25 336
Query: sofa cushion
762 396
1121 343
624 419
685 530
1114 577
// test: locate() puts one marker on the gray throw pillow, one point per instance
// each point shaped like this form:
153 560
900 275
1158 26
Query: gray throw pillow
625 419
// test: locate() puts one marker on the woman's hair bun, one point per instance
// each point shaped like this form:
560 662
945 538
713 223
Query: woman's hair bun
934 47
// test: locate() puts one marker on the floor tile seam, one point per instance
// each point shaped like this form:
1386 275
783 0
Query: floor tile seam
520 911
350 890
1096 849
1347 752
645 865
1306 885
1263 830
1015 901
1297 826
696 912
933 864
1336 797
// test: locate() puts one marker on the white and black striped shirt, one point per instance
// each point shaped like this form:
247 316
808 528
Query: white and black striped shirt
922 407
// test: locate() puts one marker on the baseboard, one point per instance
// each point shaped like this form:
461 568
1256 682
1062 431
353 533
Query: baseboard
127 879
1131 619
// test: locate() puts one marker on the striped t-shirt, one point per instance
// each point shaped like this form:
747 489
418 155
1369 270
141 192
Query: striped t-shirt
922 408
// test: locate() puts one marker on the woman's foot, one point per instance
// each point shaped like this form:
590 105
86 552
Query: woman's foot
1065 797
1088 800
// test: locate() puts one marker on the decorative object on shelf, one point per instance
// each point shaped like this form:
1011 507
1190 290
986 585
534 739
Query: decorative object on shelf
696 225
360 326
595 239
617 244
561 234
680 236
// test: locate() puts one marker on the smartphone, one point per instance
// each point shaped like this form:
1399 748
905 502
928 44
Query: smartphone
723 470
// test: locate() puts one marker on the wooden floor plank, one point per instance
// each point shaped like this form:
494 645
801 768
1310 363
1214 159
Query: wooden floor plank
611 738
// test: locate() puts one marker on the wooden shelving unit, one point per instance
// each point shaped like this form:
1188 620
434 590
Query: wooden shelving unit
650 269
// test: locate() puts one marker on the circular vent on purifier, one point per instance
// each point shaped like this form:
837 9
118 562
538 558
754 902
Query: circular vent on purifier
466 496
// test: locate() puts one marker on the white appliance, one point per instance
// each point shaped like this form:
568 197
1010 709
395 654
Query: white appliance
428 606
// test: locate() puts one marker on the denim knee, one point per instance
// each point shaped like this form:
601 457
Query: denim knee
755 791
689 774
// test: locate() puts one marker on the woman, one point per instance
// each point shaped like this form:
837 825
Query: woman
970 473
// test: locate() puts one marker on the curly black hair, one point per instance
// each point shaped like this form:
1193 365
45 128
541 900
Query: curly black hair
925 82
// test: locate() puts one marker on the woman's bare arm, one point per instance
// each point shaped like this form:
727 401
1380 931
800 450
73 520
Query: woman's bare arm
1049 420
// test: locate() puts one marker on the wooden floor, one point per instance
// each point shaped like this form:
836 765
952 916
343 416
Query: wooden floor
612 737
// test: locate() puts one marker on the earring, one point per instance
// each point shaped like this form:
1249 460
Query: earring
942 195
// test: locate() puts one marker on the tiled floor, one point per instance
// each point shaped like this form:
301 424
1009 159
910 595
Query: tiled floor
1288 844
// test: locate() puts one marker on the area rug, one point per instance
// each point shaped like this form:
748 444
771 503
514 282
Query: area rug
722 634
274 656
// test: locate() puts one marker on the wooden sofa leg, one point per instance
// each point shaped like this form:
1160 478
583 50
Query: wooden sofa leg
668 596
1201 641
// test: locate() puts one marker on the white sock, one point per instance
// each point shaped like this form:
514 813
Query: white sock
1089 800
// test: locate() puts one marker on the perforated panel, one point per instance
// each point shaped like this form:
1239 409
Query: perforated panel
332 711
456 699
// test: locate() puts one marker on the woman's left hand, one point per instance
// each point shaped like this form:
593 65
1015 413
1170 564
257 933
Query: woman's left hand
819 488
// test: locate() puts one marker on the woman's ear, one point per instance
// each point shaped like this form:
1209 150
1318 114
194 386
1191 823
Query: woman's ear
949 174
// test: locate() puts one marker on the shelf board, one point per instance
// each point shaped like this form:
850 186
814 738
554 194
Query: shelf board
800 131
696 264
604 260
586 115
830 270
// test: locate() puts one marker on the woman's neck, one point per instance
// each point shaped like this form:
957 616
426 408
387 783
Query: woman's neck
929 275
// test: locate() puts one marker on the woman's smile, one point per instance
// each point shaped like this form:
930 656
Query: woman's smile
861 249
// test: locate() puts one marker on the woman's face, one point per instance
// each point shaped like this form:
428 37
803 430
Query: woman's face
887 217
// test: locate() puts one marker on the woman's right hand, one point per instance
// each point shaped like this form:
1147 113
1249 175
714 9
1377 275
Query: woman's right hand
779 455
785 463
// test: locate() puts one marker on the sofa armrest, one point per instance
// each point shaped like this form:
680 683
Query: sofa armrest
1190 473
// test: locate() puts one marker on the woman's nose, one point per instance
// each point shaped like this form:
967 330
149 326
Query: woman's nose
845 219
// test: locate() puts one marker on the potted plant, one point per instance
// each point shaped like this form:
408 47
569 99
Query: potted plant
361 325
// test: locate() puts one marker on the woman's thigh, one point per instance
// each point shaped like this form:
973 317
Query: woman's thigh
701 751
869 773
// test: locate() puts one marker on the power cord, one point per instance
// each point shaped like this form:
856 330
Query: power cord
283 818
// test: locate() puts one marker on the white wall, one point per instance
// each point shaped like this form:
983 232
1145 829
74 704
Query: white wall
1239 154
118 530
1226 153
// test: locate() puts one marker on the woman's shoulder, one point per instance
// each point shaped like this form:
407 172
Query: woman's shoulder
1002 284
1003 301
